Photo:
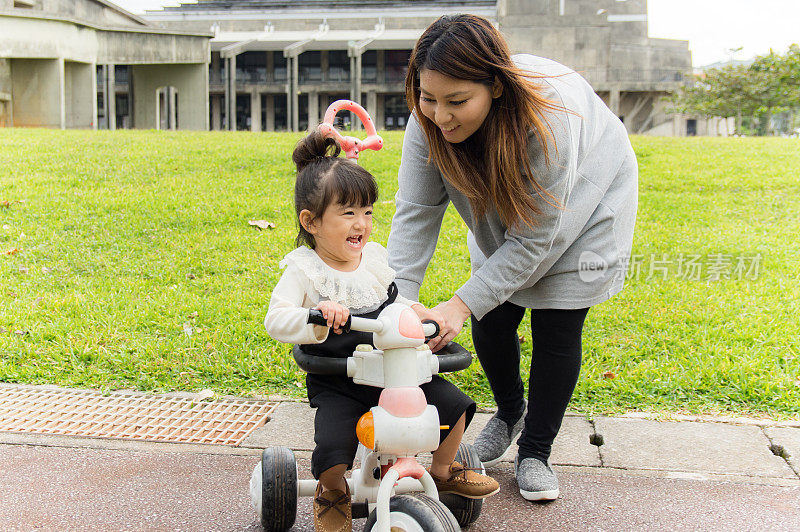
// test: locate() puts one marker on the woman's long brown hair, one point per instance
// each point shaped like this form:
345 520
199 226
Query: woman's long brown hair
492 167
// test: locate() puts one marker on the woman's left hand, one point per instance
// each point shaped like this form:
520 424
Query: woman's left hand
454 313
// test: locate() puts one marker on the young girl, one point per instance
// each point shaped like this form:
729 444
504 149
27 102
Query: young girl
337 270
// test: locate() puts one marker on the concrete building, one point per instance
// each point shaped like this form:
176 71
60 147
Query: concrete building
89 63
276 65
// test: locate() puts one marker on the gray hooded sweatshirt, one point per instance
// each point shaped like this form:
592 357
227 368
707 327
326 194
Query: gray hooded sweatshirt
577 253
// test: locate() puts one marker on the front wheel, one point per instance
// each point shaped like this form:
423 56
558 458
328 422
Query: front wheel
416 513
464 509
273 489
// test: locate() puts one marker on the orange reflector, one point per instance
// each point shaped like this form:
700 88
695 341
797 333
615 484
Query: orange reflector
444 427
365 430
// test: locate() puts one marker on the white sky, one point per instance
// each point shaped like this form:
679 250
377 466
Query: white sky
712 27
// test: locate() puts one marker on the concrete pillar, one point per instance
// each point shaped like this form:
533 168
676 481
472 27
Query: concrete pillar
172 108
37 93
288 86
380 116
355 85
295 116
230 92
313 110
93 67
255 111
372 105
191 83
613 101
111 97
216 112
270 112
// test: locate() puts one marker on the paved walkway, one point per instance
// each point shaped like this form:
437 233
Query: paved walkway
645 474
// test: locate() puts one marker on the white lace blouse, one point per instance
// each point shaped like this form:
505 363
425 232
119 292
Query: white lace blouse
308 280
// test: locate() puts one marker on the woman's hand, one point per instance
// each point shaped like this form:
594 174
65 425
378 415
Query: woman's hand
335 313
453 315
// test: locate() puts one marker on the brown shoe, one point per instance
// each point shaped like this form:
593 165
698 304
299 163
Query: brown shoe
332 510
466 482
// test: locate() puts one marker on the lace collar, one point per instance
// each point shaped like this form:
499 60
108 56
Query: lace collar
364 287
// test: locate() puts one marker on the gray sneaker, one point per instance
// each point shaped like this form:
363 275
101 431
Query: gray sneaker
536 480
496 437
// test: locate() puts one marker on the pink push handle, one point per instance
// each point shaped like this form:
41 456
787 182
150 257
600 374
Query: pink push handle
351 145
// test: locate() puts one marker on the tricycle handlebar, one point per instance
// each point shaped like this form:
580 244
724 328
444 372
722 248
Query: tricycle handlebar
452 357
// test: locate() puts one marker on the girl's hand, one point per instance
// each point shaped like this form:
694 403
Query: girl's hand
453 315
335 313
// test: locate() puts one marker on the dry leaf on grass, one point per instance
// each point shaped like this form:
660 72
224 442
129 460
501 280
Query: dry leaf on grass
609 375
12 251
262 224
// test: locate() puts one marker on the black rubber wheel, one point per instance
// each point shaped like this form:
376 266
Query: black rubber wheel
278 489
465 510
429 514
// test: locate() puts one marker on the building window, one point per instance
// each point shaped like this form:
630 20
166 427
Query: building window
121 74
397 65
395 111
369 66
279 62
310 66
243 112
281 114
124 120
251 67
338 66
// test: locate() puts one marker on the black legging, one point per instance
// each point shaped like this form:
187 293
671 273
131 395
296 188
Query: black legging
555 365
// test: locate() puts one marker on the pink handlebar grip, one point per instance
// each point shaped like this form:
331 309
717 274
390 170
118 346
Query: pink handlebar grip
351 145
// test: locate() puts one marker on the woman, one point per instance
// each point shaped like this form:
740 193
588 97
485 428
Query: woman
544 176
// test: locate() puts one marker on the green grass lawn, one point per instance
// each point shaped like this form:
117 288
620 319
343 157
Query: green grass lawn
126 260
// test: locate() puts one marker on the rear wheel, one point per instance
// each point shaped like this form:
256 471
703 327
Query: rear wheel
416 513
465 510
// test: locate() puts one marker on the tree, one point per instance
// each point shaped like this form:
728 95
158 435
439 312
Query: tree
755 92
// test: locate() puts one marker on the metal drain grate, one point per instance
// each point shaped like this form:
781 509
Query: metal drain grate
129 415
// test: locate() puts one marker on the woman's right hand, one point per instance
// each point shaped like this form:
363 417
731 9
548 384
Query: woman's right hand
335 313
453 315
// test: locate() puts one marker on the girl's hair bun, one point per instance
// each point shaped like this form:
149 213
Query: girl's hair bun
313 147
